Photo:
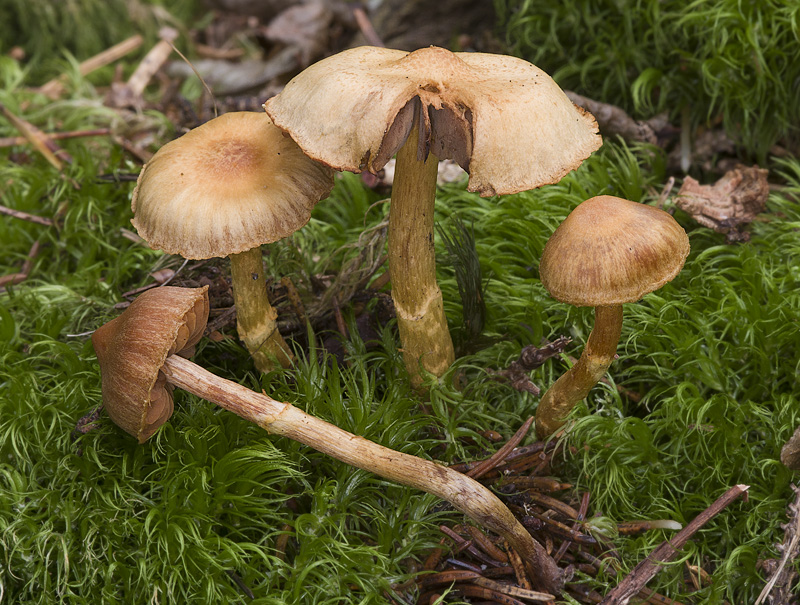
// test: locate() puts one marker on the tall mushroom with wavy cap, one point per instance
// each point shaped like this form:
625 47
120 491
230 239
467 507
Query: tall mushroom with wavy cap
140 363
607 252
223 189
504 121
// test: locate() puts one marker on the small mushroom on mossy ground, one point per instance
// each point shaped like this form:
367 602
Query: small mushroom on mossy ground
607 252
223 189
140 355
504 121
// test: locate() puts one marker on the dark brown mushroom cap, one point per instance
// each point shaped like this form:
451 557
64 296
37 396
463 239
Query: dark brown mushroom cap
225 187
502 119
611 251
132 348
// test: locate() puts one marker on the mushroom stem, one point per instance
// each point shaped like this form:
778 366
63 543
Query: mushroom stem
256 319
576 383
418 303
466 494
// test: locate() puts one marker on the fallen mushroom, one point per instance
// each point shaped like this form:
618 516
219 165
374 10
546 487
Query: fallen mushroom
500 118
223 189
607 252
141 360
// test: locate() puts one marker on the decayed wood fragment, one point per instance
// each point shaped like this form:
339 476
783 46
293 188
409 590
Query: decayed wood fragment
728 205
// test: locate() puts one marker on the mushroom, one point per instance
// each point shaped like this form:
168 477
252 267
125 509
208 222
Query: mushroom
223 189
607 252
140 355
500 118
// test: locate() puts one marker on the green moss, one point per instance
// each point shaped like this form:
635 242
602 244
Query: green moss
738 62
182 517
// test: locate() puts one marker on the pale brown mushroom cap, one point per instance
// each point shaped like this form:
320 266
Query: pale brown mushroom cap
611 251
227 186
502 119
132 348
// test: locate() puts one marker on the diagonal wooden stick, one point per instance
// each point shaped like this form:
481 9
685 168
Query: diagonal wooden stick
38 139
654 562
54 88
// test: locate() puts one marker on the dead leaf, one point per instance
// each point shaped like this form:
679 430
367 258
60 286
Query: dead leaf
230 78
303 26
729 204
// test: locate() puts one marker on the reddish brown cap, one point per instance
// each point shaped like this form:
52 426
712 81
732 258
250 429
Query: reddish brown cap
225 187
611 251
132 348
502 119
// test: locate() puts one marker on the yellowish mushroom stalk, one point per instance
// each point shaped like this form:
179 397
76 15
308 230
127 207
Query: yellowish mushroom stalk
140 355
503 120
224 189
607 252
417 298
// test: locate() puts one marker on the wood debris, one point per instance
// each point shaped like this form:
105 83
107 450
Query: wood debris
483 566
790 453
728 205
782 586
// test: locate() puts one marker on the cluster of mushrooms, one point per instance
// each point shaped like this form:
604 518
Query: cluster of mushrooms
245 179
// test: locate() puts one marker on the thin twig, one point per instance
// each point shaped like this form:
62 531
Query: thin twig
24 216
56 136
55 87
38 139
365 25
654 562
502 453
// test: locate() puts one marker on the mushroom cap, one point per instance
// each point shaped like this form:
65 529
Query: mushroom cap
502 119
611 251
227 186
132 349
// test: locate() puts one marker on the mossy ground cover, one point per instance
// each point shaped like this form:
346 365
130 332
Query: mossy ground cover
707 61
200 510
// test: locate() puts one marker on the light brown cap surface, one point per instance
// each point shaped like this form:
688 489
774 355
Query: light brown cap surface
502 119
132 348
230 185
611 251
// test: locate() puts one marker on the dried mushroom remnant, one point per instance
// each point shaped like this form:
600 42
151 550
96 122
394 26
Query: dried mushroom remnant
500 118
138 365
132 352
606 253
223 189
728 205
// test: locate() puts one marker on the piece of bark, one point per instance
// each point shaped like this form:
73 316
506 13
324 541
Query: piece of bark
613 121
728 205
530 358
790 453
